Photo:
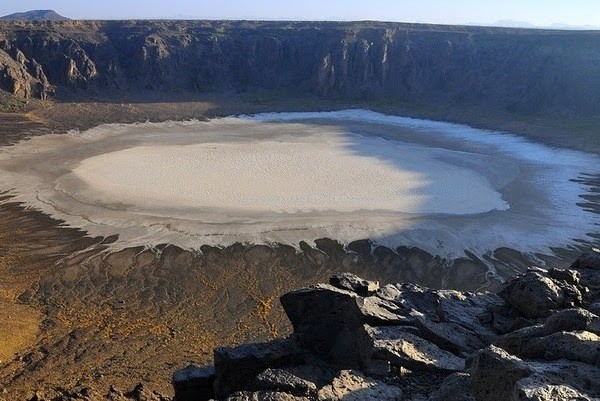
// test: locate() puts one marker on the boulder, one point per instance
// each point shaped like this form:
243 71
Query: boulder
494 374
581 346
236 368
285 381
351 385
534 295
471 311
588 265
412 298
194 383
578 376
330 322
456 387
568 276
515 342
450 336
536 389
587 260
351 282
572 319
377 311
264 396
497 375
401 348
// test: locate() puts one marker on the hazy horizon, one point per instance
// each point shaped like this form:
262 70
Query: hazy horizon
578 14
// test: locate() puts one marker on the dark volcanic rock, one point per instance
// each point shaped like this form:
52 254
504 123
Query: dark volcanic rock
425 344
450 336
574 319
588 266
194 383
456 387
588 260
351 385
351 282
536 295
401 348
495 373
236 368
296 381
580 346
330 322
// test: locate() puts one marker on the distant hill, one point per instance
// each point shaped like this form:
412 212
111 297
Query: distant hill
35 15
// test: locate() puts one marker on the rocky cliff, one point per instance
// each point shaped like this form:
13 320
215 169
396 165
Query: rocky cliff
525 71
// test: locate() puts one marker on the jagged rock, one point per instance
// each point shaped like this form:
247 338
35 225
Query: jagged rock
581 346
264 396
535 295
576 375
587 260
456 387
412 297
287 381
569 276
450 336
351 385
377 311
588 265
516 341
569 320
194 383
504 320
351 282
534 389
497 375
330 322
494 374
554 356
401 348
237 367
519 341
471 311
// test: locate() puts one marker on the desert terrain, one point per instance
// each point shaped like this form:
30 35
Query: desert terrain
106 285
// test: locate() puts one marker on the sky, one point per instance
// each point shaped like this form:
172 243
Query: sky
486 12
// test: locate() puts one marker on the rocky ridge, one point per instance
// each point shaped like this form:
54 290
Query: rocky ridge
538 338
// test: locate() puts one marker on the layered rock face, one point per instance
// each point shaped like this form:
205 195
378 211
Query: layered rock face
525 71
538 338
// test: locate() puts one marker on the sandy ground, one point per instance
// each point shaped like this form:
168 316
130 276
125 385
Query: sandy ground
288 177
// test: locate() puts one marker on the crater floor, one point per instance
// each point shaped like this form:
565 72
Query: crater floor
288 177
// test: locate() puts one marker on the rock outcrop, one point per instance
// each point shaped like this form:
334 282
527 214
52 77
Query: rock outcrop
538 339
524 71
